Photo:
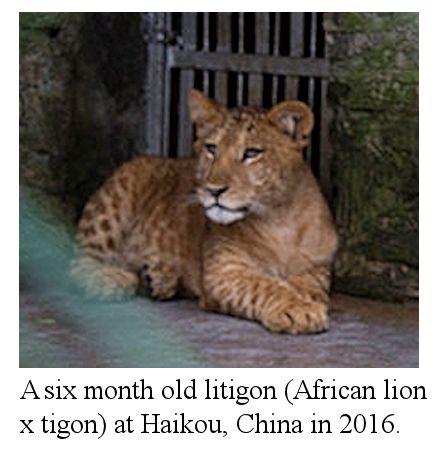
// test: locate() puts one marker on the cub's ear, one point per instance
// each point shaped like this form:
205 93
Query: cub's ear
205 113
294 118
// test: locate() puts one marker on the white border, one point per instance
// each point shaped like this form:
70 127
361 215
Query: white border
419 418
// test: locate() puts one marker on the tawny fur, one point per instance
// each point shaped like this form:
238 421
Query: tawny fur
243 225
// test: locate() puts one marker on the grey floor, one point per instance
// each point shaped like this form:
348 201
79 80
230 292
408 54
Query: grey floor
141 333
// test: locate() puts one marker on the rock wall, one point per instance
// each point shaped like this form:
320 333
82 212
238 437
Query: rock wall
81 102
374 97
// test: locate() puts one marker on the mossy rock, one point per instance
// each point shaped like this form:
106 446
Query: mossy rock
81 100
374 94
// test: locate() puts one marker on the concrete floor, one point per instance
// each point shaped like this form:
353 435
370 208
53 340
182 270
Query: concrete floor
139 333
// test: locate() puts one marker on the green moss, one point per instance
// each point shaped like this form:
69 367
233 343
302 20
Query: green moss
377 22
40 21
359 22
36 29
375 135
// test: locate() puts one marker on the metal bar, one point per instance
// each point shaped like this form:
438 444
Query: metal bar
240 81
276 51
296 51
206 48
313 34
326 150
310 102
311 90
255 64
189 36
223 46
261 48
167 96
153 31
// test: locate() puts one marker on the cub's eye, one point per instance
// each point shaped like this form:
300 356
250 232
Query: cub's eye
211 148
251 153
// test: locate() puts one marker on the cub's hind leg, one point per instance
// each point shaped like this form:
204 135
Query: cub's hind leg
158 279
101 280
157 267
98 266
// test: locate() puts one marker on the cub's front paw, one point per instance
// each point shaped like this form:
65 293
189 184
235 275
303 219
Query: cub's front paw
297 318
158 282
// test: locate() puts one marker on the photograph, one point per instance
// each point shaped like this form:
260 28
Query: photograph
219 190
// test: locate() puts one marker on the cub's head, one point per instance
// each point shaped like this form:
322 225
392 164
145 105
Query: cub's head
248 159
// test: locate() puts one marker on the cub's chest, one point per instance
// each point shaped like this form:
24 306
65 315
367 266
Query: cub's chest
274 247
283 244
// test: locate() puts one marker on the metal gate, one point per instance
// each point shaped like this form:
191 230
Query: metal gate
238 59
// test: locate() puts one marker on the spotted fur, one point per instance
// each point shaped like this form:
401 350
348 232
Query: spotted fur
243 225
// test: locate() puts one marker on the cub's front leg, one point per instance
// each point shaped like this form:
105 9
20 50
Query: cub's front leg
237 288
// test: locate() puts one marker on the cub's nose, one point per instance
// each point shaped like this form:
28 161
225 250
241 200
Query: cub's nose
216 191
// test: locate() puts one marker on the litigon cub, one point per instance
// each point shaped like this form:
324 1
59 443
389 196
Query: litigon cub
243 225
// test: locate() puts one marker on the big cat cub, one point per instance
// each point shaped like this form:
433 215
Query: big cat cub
242 225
